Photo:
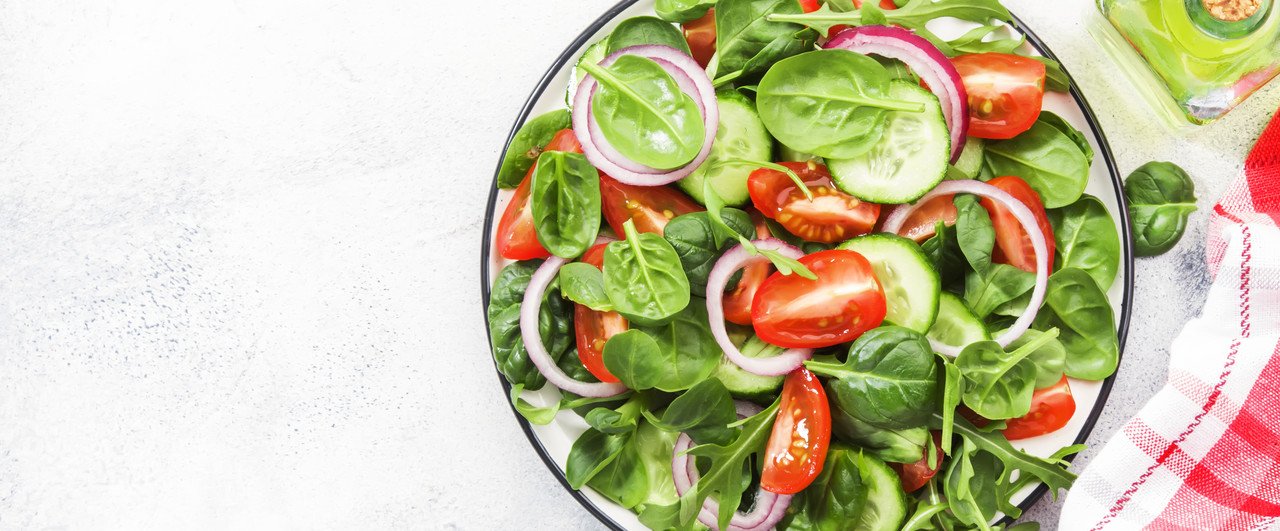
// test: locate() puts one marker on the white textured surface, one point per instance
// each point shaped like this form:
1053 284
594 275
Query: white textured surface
238 248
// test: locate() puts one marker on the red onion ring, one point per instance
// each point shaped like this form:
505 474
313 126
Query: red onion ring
768 509
529 310
691 79
1028 221
933 67
734 259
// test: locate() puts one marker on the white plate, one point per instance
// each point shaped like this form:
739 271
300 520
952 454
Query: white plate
554 440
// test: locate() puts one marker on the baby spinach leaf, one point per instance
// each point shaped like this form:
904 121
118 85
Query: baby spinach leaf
543 415
952 390
1044 157
1072 133
671 357
913 15
527 145
654 448
896 446
555 324
975 41
974 232
1050 358
693 238
1003 283
1086 239
615 421
644 278
681 11
590 454
831 103
889 380
835 499
646 30
1161 198
633 356
743 32
584 284
1055 78
998 385
565 203
643 113
704 412
1080 310
625 479
943 250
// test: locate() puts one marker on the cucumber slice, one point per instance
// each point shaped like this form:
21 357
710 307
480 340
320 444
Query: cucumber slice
741 135
911 284
593 54
908 161
743 384
970 162
886 507
956 324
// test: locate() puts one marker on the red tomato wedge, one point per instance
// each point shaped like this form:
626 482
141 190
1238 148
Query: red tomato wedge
846 300
650 207
1051 409
701 36
737 303
516 239
801 434
832 216
1013 245
922 224
917 474
592 329
809 6
1005 92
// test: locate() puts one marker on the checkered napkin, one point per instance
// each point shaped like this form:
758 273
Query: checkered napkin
1205 452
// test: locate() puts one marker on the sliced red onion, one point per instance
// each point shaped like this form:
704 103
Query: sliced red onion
923 58
691 79
529 309
734 259
1028 221
769 508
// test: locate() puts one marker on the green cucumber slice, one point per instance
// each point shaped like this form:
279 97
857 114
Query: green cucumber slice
956 324
969 165
908 161
743 384
886 502
911 284
741 135
594 53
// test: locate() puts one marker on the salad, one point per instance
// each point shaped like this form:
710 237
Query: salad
805 265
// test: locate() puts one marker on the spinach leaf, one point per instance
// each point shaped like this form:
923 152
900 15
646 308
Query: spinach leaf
974 232
642 111
1086 239
555 324
670 357
631 357
747 42
704 412
655 447
913 15
565 203
584 284
943 250
999 385
1161 198
1077 306
975 41
625 479
896 446
646 30
1044 157
952 391
835 499
889 380
1003 283
693 238
1050 358
1055 78
644 278
543 415
527 145
1072 133
681 11
831 103
591 453
616 421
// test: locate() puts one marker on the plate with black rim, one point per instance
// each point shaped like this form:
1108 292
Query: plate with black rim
552 441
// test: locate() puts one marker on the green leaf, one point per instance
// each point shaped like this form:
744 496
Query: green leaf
636 31
913 15
975 41
974 232
694 240
896 446
1081 311
1046 158
555 324
889 380
1086 238
1055 78
704 412
1161 198
1049 358
1065 127
590 454
681 11
644 278
835 499
527 145
625 479
688 353
643 113
952 390
630 357
970 486
584 284
999 385
616 421
565 203
745 38
1003 283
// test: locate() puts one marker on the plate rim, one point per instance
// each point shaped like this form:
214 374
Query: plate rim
1104 148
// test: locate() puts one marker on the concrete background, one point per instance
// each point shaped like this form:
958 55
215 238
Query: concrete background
238 248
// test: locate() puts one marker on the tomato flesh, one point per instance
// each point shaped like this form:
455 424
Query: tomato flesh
846 300
922 223
1051 409
701 36
592 328
737 303
1013 244
916 475
516 238
832 216
1005 92
801 435
650 207
809 6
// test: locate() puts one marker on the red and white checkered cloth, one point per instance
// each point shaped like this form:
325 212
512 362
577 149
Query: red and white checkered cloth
1205 452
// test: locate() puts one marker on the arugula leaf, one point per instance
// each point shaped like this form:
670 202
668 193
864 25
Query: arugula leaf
913 15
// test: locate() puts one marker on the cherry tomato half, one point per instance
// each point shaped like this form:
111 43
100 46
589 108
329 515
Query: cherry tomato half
1005 92
651 207
1051 408
592 329
516 239
737 303
917 474
922 223
809 6
846 300
832 216
801 434
701 36
1013 245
